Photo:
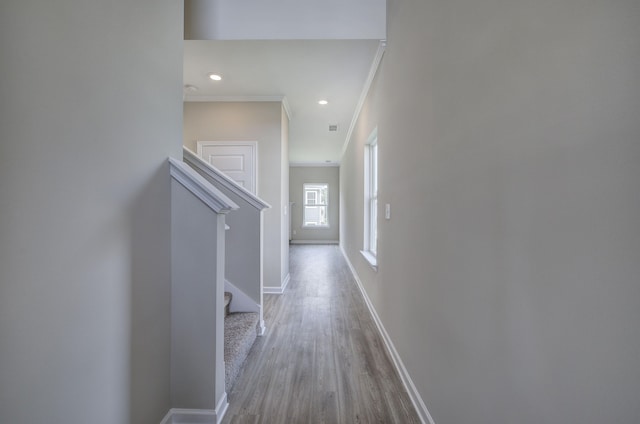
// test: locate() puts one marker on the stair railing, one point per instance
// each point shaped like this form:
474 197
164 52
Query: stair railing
244 241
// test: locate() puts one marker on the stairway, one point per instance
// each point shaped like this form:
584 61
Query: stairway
240 332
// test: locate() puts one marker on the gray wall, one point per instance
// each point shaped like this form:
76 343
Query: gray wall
91 102
250 121
509 145
298 176
352 188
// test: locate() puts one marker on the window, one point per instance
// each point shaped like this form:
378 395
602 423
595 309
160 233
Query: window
316 204
370 248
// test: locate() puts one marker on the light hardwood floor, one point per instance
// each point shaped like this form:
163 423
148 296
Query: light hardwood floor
322 359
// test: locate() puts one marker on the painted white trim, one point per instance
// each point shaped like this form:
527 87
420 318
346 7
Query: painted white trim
197 416
167 418
239 99
373 137
315 241
200 187
278 290
370 181
193 159
221 407
272 290
263 329
287 108
193 416
416 399
370 258
313 188
314 164
365 91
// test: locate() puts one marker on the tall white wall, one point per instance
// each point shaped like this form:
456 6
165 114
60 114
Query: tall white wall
250 121
90 108
509 144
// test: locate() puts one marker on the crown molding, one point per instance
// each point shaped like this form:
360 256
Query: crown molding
314 164
241 99
204 98
365 91
287 108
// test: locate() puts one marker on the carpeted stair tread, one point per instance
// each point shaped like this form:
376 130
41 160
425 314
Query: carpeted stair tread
240 332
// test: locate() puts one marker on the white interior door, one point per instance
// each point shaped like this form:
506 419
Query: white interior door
236 159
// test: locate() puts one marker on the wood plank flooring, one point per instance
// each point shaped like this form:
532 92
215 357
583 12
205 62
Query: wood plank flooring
322 359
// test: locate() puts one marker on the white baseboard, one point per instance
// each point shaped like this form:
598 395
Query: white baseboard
285 283
277 290
197 416
221 407
314 242
272 290
190 416
416 399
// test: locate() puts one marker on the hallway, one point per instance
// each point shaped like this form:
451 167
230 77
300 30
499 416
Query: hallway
322 359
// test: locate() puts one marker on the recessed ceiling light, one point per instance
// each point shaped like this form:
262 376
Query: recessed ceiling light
191 88
323 102
215 77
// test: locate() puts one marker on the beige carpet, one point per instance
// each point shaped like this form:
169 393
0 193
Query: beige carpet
240 332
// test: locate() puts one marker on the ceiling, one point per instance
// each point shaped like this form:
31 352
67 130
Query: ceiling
299 71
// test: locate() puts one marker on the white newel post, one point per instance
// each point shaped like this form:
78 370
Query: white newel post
244 242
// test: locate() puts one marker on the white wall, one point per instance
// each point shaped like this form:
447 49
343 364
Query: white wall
90 101
509 146
250 121
300 175
284 19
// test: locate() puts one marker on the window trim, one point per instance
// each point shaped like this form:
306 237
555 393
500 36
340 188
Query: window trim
304 205
370 251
